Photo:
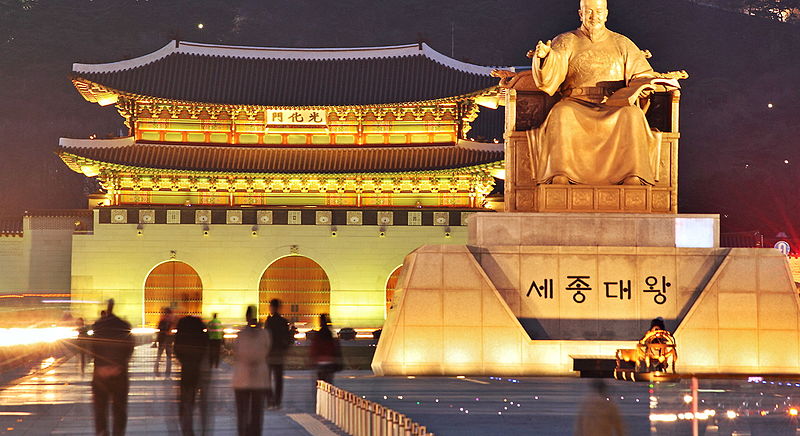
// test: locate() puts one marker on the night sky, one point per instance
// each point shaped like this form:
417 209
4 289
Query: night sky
734 147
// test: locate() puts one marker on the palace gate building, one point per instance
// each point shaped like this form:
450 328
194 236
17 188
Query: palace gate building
252 173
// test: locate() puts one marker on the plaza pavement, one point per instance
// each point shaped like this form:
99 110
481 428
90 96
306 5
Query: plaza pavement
541 406
58 401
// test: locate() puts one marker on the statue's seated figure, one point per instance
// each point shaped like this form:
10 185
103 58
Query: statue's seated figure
597 133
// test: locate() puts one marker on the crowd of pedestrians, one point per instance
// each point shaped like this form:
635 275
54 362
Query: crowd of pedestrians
258 356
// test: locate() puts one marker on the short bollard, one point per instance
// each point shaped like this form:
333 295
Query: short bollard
357 416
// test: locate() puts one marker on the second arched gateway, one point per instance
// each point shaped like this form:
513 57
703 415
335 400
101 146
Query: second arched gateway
301 285
175 285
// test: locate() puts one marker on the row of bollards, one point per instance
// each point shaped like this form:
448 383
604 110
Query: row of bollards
357 416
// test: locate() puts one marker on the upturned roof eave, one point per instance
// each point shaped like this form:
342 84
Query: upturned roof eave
140 97
282 53
75 162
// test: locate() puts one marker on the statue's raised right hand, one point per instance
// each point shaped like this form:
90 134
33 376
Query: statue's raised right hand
542 50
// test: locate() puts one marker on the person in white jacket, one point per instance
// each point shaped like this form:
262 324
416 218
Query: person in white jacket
251 375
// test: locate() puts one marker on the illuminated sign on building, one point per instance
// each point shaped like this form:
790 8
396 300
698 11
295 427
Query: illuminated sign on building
296 117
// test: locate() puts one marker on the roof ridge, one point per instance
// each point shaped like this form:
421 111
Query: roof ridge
283 53
128 141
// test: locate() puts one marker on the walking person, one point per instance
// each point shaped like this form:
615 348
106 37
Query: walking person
191 350
82 342
279 331
251 375
326 355
599 415
216 336
165 339
112 346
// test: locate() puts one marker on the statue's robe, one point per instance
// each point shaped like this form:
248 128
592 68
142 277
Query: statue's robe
582 138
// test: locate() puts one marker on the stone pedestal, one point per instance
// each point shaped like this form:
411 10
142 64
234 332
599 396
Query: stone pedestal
593 229
532 289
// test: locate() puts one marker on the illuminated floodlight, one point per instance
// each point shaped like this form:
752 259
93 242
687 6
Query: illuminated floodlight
793 411
731 414
107 100
687 398
695 232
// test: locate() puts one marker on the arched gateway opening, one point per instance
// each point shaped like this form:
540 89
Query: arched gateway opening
172 284
301 285
391 287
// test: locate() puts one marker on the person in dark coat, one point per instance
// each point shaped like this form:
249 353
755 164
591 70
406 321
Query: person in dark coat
112 346
191 350
657 324
281 339
599 415
325 352
165 339
81 341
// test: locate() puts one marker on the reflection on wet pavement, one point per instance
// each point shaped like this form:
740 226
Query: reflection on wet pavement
541 406
550 406
57 400
757 406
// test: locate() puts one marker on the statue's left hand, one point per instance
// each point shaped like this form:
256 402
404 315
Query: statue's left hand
503 74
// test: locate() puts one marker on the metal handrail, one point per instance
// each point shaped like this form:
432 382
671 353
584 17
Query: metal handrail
357 416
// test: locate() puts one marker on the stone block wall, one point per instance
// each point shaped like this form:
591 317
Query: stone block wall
115 260
732 311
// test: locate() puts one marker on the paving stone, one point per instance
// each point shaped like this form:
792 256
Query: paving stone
58 401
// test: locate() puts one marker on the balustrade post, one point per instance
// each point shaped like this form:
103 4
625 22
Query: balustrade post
357 416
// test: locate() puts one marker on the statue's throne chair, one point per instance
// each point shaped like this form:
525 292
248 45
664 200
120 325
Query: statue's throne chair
527 108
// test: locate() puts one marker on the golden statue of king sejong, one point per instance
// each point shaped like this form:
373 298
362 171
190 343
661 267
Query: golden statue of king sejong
596 134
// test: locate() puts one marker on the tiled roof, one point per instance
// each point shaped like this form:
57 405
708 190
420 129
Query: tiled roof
211 158
10 226
291 77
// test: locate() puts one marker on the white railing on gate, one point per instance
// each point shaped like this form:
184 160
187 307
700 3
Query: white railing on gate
359 417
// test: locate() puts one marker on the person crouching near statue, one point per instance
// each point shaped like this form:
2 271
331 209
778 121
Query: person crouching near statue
584 140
